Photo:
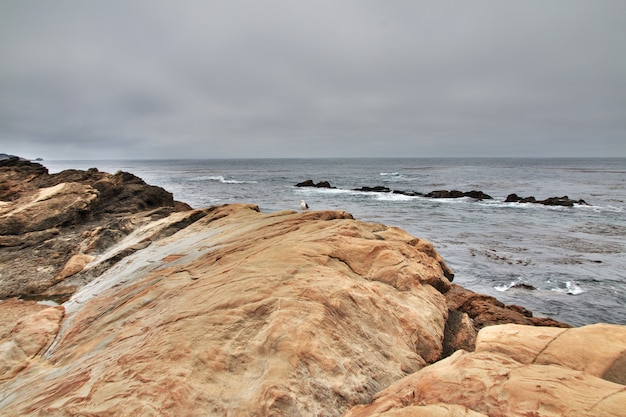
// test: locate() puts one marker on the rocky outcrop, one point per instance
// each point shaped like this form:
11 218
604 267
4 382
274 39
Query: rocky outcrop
310 183
376 189
50 221
216 319
477 195
564 201
518 371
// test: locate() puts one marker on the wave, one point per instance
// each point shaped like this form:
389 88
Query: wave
221 179
394 197
569 287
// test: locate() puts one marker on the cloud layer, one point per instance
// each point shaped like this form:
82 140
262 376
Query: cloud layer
157 79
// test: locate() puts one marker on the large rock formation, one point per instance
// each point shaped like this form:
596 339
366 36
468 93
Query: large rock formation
519 371
245 313
229 311
48 220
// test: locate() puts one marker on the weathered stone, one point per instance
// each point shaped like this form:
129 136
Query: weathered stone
76 264
506 377
30 336
46 219
216 319
598 349
459 333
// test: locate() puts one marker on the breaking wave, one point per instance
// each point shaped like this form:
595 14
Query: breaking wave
221 179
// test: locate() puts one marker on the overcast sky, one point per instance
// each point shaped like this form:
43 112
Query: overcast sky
211 79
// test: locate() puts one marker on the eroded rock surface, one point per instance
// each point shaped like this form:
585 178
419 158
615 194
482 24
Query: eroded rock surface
244 313
50 224
519 371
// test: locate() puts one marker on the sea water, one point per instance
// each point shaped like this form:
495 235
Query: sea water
573 257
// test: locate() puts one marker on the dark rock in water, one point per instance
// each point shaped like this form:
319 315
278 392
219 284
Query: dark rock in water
310 183
561 201
514 198
377 189
524 286
564 201
307 183
323 184
445 194
478 195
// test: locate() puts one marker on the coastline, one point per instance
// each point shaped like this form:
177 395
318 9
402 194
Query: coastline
313 310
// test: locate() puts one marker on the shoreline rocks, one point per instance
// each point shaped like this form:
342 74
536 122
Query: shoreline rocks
564 201
478 195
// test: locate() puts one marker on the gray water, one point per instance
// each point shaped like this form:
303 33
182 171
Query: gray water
574 257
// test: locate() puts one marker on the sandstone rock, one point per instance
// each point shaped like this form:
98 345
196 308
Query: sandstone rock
13 309
493 382
76 264
30 336
430 410
245 313
598 349
56 206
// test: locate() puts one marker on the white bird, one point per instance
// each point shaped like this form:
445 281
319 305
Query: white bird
303 205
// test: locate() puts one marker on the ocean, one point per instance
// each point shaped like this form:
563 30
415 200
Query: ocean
573 258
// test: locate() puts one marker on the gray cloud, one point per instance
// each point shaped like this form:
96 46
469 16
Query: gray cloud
83 79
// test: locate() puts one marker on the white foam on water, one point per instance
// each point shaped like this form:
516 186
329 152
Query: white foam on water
570 287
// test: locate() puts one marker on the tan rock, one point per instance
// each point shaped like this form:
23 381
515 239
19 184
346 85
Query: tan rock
47 208
431 410
243 313
13 309
30 336
598 349
493 382
76 264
